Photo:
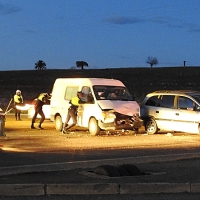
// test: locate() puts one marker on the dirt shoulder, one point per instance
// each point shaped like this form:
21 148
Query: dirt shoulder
19 137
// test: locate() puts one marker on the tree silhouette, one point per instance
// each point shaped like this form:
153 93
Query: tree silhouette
81 64
152 61
40 65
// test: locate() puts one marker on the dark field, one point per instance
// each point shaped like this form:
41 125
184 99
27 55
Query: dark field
139 81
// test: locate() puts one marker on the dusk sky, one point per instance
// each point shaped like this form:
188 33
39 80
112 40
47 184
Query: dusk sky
104 33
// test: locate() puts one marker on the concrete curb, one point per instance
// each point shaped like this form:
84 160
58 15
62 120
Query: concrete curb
96 188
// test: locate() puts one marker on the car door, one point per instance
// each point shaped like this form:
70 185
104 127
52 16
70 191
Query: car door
165 112
186 118
162 108
86 109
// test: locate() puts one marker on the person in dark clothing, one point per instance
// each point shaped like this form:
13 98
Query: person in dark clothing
18 100
72 112
40 101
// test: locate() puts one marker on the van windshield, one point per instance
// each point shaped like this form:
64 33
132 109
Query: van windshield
103 92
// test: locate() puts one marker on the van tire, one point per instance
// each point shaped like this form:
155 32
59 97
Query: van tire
151 126
58 123
93 127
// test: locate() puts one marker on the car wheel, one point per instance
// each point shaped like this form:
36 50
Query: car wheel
58 123
151 127
93 127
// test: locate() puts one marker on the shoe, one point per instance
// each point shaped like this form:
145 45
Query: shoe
32 127
64 131
40 127
19 120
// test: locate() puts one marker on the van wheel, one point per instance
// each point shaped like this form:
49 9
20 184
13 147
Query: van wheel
151 127
93 127
58 123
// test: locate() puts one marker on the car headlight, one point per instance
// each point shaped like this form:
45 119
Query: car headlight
108 114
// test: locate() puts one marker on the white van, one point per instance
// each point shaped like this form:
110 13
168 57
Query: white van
108 104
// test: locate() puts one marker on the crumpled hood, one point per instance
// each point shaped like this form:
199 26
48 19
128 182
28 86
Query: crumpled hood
124 107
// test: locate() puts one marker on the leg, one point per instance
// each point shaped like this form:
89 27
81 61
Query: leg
67 119
41 113
16 113
33 119
70 115
74 118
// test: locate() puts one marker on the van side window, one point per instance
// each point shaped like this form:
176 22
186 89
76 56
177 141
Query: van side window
87 94
185 103
152 101
70 92
167 101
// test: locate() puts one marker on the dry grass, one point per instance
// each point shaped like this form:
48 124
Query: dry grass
139 81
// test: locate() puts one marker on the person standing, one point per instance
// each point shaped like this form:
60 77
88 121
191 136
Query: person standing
72 112
18 100
40 101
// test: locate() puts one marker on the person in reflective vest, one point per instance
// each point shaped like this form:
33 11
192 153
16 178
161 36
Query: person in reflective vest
39 102
72 112
18 100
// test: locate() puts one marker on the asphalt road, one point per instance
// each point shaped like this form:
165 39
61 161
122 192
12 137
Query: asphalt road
23 148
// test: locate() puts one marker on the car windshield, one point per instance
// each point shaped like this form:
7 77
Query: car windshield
103 92
196 97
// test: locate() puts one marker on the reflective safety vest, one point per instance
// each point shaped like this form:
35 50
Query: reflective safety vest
42 97
75 101
18 98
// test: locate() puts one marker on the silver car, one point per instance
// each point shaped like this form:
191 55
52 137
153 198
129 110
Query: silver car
171 111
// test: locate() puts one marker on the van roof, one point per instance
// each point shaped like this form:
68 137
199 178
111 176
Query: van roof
90 81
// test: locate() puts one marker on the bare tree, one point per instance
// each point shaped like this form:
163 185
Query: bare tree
40 65
152 61
81 64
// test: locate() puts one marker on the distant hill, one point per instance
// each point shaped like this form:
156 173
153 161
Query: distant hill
139 81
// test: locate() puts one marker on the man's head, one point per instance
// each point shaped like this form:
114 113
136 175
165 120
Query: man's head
79 94
18 92
47 96
116 92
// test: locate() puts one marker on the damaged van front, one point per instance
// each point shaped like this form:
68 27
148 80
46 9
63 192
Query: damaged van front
118 115
116 110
